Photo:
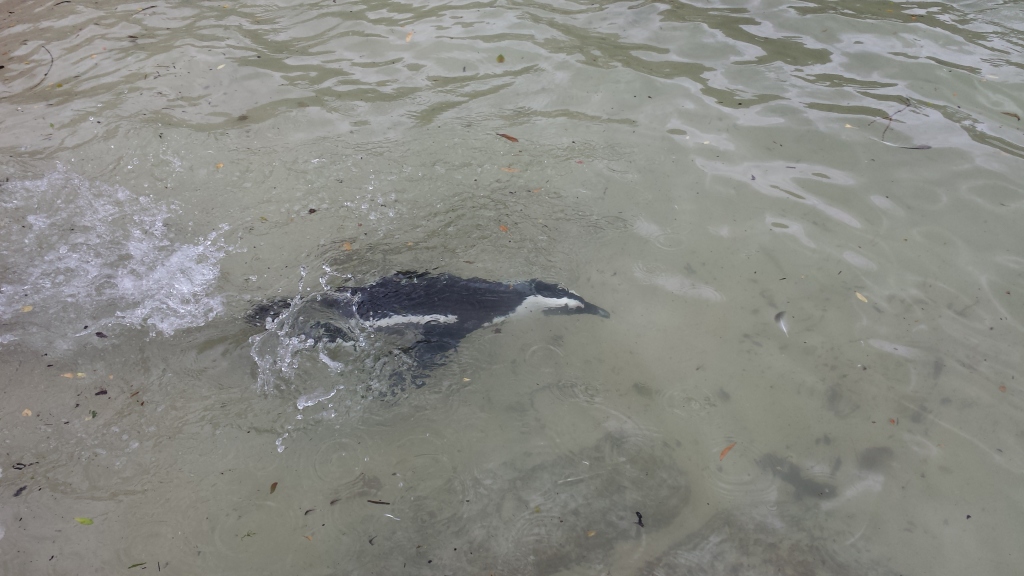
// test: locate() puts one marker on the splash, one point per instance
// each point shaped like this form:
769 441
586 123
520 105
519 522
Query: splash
80 253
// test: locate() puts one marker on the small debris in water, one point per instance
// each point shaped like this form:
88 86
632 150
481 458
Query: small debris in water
640 519
101 335
378 502
726 451
102 392
273 487
508 137
780 319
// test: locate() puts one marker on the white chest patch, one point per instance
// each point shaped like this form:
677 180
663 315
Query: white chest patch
425 319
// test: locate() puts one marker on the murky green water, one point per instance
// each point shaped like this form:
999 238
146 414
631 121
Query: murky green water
804 218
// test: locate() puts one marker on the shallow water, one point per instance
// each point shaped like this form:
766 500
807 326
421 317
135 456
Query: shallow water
802 216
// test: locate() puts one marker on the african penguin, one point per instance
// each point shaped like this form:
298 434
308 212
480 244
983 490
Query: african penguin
433 311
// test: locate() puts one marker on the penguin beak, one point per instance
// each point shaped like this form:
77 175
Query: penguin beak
589 308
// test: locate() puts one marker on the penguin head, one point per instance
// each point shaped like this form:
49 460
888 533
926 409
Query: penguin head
557 299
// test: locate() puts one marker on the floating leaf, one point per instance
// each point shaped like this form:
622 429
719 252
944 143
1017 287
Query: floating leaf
310 538
136 565
68 375
273 487
408 36
509 138
509 169
84 521
1002 388
26 308
591 533
219 165
503 228
535 190
861 297
725 451
346 246
501 59
26 412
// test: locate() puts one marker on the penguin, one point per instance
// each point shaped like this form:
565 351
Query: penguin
430 313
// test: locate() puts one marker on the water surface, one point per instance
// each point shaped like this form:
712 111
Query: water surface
804 218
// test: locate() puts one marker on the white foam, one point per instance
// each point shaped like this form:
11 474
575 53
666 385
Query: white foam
307 400
78 251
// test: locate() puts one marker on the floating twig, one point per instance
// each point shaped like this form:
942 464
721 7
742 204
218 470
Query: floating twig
914 147
891 116
47 70
379 502
144 9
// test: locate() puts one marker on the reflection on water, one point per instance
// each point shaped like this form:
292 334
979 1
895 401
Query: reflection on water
804 218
